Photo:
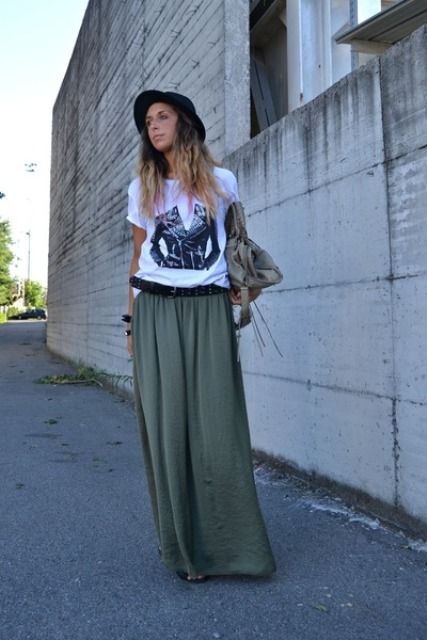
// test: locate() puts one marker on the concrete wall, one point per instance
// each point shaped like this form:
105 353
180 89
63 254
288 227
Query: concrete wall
123 48
337 191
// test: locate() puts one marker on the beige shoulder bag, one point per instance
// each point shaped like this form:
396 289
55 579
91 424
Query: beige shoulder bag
249 266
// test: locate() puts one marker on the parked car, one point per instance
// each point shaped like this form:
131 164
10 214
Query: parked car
37 314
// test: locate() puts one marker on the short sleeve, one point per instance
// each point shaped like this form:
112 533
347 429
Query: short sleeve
234 189
134 215
228 183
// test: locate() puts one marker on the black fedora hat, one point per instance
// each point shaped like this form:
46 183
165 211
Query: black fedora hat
145 99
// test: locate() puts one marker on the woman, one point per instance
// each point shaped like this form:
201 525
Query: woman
188 384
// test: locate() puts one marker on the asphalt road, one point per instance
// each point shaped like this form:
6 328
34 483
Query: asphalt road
78 556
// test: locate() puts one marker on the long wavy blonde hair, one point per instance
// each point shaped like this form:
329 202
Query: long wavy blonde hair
193 167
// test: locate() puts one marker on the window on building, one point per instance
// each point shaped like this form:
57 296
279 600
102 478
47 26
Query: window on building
268 46
361 10
299 48
375 25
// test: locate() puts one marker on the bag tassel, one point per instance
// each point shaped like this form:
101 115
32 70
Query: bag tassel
257 332
268 329
258 337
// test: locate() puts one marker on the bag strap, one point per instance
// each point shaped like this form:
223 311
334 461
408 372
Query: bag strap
245 312
235 225
235 221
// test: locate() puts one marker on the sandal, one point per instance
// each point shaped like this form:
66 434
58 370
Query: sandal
185 576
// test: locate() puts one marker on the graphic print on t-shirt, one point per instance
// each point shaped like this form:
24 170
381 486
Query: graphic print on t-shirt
178 248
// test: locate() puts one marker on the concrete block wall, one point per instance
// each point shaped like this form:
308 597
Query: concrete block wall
123 48
337 192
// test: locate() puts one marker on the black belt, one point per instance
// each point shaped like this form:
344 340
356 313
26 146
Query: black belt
173 292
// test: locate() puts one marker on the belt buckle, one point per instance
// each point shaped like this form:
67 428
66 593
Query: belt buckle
172 293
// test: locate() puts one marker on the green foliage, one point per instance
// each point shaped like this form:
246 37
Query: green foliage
7 284
87 375
84 375
3 318
13 311
34 294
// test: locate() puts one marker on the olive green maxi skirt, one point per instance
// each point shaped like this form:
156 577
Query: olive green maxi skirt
193 424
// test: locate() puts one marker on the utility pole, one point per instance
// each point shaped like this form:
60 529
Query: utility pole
28 233
30 167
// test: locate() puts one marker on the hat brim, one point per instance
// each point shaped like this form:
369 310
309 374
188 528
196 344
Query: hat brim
144 101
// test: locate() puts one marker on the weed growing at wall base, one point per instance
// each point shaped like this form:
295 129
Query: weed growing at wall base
87 375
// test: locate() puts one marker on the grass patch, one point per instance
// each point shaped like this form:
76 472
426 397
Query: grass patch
86 375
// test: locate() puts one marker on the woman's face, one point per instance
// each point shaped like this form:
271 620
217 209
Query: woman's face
161 122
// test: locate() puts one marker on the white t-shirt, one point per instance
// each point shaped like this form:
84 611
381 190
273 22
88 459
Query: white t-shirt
181 249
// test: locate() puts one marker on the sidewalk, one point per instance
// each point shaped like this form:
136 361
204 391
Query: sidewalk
78 557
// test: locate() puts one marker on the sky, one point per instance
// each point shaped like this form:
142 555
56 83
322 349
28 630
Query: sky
37 38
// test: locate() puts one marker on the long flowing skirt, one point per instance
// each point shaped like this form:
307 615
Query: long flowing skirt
193 424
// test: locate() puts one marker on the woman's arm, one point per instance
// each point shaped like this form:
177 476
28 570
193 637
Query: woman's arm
139 236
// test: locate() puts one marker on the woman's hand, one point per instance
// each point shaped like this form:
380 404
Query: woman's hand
235 296
130 346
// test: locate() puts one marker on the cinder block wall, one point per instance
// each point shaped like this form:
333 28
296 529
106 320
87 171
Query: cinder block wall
196 48
337 190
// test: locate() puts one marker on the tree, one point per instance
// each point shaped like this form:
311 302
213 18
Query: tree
34 294
7 284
